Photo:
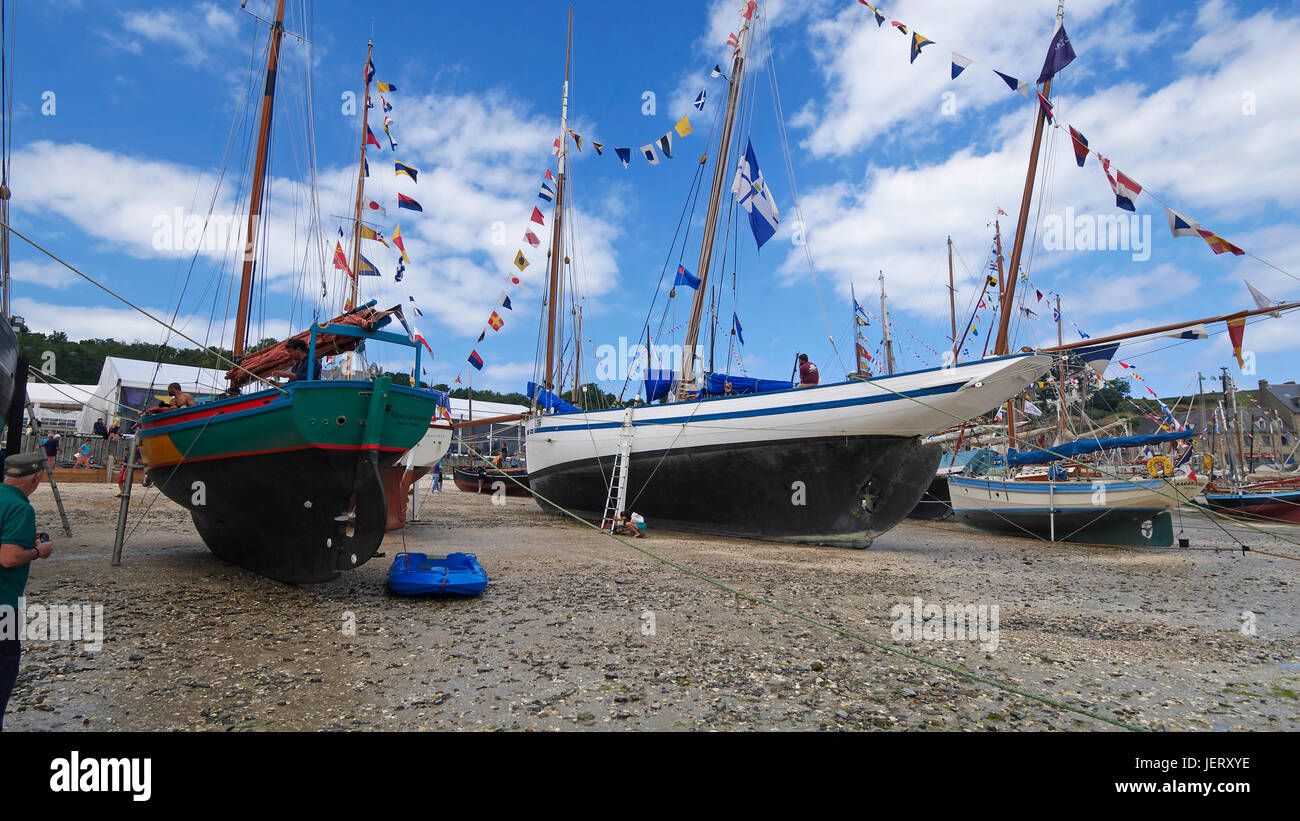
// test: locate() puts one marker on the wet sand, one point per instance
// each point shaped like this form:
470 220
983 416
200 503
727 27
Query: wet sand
558 641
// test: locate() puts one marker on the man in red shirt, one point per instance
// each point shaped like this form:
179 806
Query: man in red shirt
808 376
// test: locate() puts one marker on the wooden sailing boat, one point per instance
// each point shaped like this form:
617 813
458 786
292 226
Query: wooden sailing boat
286 481
832 464
1270 501
1060 505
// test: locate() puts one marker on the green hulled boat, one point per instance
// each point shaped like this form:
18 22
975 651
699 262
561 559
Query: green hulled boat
285 481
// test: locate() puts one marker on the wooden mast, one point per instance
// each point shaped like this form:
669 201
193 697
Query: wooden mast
1018 244
557 239
884 321
361 181
259 183
721 163
1022 220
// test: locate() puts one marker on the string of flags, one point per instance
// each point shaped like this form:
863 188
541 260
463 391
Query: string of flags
651 152
365 267
1059 55
497 319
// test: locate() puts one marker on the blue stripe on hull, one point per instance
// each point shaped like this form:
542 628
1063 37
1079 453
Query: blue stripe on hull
759 412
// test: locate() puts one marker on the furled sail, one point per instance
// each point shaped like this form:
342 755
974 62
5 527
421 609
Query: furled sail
1082 446
261 364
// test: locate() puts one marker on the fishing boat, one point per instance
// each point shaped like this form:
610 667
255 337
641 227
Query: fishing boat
834 464
512 481
285 481
1075 503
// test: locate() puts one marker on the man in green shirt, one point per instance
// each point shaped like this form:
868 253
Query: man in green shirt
19 547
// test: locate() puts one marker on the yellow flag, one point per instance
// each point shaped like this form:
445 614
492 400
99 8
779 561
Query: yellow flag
683 127
369 233
521 262
397 240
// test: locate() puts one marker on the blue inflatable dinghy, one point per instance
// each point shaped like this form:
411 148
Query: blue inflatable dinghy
457 574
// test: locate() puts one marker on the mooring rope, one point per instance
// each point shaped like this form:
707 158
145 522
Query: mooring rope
879 645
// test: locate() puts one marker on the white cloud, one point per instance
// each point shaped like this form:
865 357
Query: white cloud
1199 151
190 32
45 274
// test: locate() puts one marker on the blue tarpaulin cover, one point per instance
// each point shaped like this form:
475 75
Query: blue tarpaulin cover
1071 449
716 384
658 383
549 401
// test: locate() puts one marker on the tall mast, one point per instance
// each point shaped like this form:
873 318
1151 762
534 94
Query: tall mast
884 320
5 140
952 303
1018 245
557 250
259 182
361 182
721 163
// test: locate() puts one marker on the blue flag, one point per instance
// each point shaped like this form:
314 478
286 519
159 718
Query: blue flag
1059 55
684 277
624 155
735 324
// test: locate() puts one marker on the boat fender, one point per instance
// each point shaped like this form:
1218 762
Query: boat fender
1158 466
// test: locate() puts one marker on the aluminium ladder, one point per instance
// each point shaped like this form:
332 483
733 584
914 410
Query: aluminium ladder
616 498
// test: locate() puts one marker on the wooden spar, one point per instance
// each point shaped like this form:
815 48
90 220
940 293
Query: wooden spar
1022 220
557 249
721 163
259 182
494 420
952 303
1085 343
361 180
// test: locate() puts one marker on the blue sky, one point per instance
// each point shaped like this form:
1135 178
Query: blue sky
1195 101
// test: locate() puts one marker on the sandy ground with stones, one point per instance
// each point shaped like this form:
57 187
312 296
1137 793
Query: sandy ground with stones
558 641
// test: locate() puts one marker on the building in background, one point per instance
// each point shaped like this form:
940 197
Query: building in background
1284 400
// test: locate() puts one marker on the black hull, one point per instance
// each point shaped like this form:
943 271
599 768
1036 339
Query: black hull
936 504
515 480
1118 527
853 488
9 350
298 517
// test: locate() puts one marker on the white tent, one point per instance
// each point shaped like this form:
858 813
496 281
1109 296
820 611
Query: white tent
58 406
127 386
